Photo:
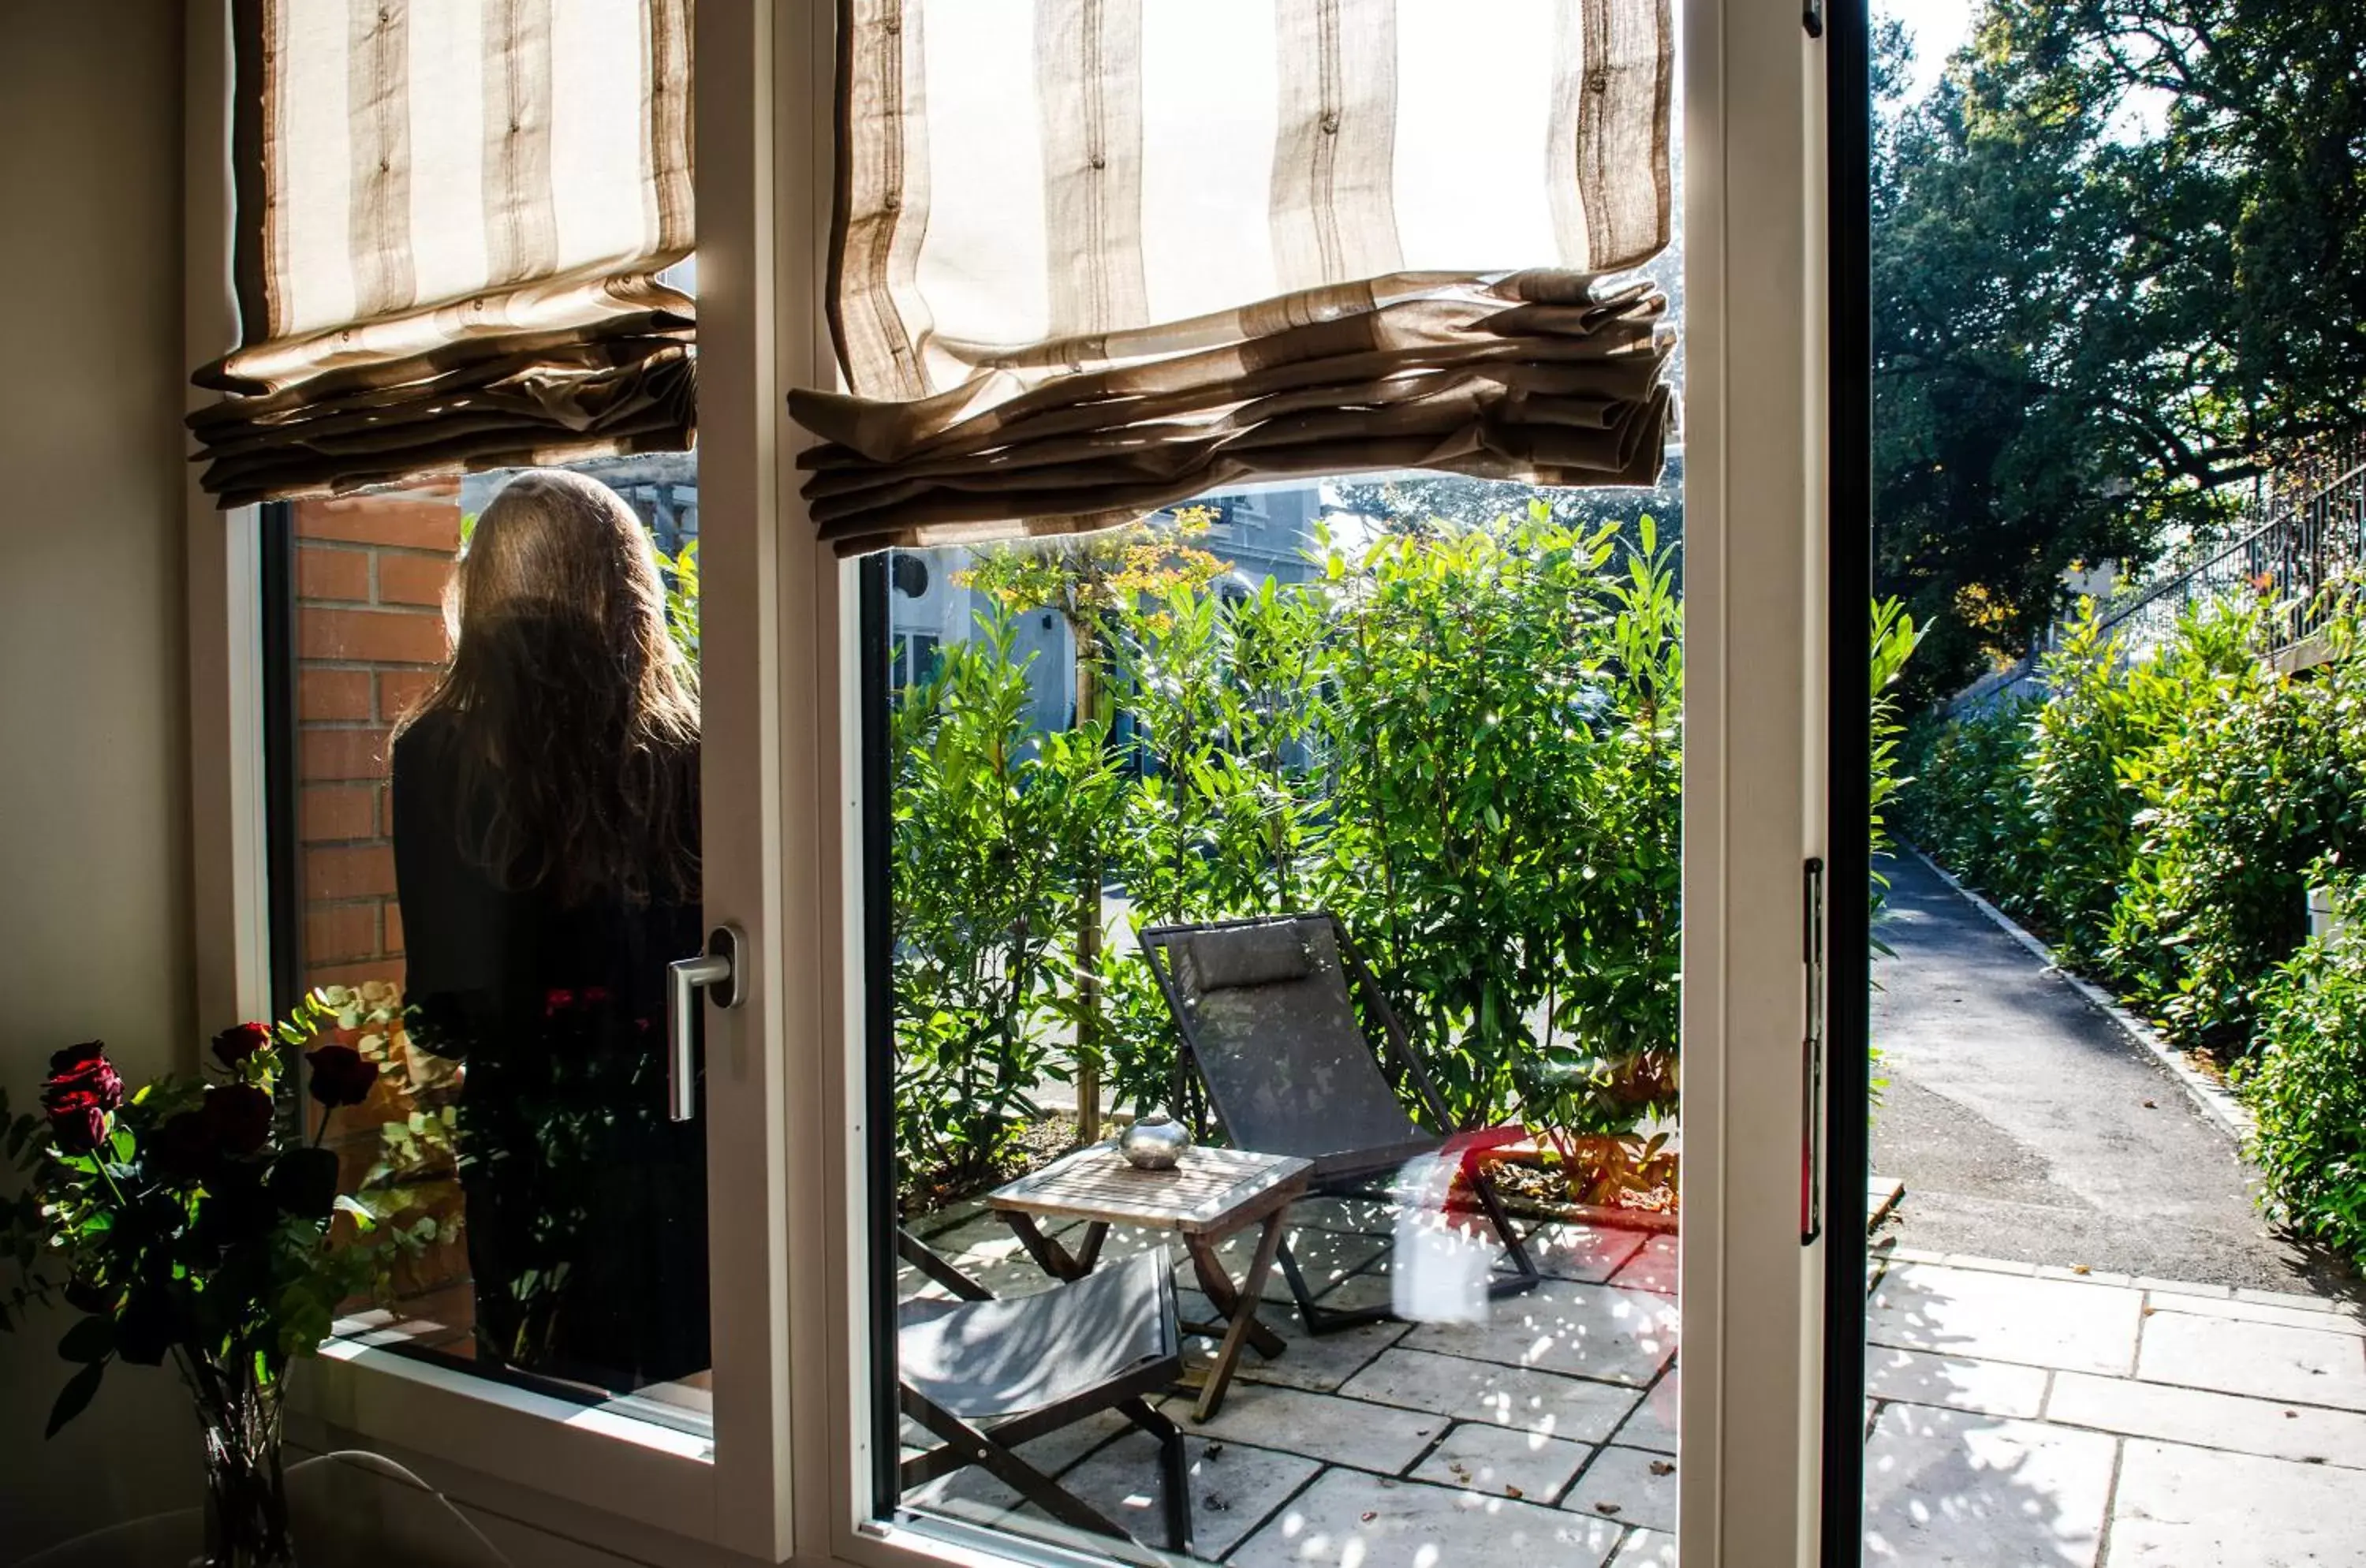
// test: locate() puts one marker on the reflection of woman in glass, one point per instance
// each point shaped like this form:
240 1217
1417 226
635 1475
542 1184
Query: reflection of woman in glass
546 846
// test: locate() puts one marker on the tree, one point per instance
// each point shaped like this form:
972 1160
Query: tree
1094 581
2119 273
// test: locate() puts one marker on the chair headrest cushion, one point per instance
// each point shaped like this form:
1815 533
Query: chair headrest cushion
1249 956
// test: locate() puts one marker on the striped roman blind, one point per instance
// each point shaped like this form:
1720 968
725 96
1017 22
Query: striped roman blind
452 216
1091 258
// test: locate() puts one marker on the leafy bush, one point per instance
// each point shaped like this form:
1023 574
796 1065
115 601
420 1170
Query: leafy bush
2259 776
1969 808
1467 741
989 820
2157 817
2307 1087
2084 819
1508 761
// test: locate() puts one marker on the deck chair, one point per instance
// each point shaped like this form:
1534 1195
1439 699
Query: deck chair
985 1374
1266 1010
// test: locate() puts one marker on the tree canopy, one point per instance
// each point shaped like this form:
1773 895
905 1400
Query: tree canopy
2119 274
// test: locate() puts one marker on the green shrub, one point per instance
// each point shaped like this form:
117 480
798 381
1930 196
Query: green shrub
1466 741
1506 760
2307 1085
1969 808
2084 818
989 821
2257 778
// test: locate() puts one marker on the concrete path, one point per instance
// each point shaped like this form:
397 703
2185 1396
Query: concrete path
2027 1127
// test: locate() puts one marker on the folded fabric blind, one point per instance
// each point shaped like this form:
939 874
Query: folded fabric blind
1091 258
451 219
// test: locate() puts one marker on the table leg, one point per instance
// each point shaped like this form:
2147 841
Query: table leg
1218 1287
1242 1311
1047 1252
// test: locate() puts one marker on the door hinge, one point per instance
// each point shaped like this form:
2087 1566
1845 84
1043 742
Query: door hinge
1811 1056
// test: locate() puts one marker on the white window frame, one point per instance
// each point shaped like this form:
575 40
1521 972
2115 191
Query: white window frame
785 1100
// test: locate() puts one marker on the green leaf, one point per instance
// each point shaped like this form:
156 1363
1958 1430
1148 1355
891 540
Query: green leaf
75 1397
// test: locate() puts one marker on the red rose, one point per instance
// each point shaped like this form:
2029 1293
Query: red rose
84 1068
77 1120
340 1075
239 1042
81 1093
236 1118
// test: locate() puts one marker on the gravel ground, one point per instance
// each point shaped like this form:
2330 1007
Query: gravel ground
2026 1125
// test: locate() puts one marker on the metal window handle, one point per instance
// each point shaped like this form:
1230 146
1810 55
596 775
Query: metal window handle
717 971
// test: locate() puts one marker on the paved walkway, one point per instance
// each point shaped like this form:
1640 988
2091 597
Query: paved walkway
2026 1126
2017 1415
2027 1416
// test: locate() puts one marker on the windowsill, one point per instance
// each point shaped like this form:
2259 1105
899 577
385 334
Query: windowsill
681 1408
376 1349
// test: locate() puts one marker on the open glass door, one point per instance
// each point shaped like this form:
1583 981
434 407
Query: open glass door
1087 787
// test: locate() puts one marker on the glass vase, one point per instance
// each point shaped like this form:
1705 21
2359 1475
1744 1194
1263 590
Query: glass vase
247 1492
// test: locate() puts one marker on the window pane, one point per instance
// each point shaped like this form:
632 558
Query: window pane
496 854
1323 822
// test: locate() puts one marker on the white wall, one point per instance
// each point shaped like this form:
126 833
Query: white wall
94 797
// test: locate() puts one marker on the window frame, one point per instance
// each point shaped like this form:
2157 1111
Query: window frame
586 1473
790 1178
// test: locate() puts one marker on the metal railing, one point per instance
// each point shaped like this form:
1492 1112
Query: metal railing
2314 535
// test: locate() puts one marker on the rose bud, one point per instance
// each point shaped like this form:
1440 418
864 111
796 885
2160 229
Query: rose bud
340 1075
236 1117
239 1042
77 1120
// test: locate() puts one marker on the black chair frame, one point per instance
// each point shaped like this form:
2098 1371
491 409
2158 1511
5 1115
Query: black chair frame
993 1448
1398 1062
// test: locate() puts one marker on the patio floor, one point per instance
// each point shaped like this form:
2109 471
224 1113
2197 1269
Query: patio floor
2017 1415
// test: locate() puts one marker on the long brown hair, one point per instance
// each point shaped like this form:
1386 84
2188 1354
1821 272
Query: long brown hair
574 719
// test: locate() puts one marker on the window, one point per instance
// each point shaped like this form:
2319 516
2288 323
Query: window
1395 791
785 1111
498 936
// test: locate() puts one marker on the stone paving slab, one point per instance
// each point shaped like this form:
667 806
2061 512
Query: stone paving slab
1351 1520
1597 1331
1947 1489
1503 1462
1316 1362
1233 1488
1469 1390
1339 1431
2326 1317
1647 1549
2264 1427
2185 1507
1587 1253
1955 1382
1629 1486
1653 1267
2311 1366
1653 1424
2048 1323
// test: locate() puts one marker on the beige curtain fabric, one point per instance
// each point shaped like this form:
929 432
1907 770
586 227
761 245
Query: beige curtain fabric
452 219
1092 257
